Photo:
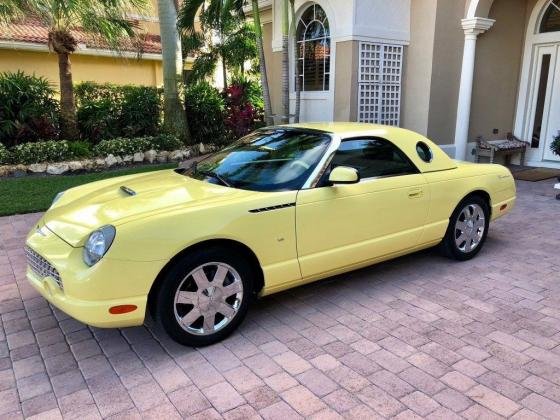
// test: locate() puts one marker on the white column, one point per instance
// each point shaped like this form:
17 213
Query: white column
472 27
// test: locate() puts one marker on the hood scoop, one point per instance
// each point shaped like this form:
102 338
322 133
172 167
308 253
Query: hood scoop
128 191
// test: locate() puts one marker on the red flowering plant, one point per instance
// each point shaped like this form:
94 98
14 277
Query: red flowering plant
242 116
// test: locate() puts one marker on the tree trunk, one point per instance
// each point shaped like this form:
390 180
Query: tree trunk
174 116
297 111
224 72
68 127
262 64
285 64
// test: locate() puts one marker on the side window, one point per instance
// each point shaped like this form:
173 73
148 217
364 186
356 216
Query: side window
373 158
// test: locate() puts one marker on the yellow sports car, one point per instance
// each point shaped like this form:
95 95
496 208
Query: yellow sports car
282 207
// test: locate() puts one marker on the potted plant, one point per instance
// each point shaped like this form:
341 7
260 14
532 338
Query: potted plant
555 145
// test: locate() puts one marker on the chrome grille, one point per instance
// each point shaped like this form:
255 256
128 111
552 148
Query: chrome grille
42 267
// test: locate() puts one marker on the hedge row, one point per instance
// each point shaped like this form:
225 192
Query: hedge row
62 150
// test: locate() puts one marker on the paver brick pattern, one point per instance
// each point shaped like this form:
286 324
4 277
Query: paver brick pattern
421 336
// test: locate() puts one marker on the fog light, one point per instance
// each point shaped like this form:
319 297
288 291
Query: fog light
504 206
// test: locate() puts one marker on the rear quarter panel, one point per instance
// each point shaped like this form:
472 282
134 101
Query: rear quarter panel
448 188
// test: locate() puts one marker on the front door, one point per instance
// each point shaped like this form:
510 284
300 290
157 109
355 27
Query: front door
545 116
345 225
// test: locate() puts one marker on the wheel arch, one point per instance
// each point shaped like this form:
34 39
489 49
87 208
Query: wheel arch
477 193
219 243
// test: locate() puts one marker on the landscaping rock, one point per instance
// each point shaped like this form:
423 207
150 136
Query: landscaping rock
4 170
176 156
88 164
150 156
162 156
201 148
110 161
99 163
119 160
138 157
127 158
76 166
19 170
57 168
37 168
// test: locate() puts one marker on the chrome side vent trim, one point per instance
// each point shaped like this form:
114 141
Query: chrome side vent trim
271 208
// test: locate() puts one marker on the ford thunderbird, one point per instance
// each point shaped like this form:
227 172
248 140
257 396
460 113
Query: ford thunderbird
281 207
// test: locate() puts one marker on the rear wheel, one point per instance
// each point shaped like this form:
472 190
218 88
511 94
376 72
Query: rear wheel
205 296
467 230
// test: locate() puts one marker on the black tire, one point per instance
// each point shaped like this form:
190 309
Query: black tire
176 277
449 246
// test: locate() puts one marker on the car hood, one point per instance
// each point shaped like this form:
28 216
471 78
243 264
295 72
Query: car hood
115 201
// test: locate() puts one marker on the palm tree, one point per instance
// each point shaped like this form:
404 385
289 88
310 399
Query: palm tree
221 18
104 20
174 116
262 63
285 63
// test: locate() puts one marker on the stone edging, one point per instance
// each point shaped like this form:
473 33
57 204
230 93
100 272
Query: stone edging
60 168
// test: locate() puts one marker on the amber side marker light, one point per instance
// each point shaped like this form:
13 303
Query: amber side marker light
504 206
122 309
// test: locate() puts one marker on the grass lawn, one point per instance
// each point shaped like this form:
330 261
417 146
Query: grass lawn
33 193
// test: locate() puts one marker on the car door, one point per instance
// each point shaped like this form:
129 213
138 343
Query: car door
341 226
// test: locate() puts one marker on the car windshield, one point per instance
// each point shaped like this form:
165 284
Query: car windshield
280 159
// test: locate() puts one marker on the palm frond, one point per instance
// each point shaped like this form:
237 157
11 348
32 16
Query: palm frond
187 16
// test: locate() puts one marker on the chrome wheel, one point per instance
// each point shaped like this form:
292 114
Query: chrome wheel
208 298
469 228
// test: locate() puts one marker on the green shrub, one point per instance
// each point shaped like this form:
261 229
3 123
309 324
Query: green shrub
79 149
4 155
28 110
252 91
205 112
43 151
166 142
555 145
122 146
140 111
108 111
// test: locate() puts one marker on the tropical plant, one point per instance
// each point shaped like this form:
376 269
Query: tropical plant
223 36
4 155
166 142
206 106
107 21
242 116
106 110
174 117
28 109
46 151
262 62
122 146
555 145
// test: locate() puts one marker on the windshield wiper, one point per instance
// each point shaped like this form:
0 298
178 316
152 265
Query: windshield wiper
213 174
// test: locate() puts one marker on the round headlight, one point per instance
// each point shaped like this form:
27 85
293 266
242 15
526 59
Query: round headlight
98 244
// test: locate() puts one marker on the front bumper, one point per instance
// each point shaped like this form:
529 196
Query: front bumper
87 293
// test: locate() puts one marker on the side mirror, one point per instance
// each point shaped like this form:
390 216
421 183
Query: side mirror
344 175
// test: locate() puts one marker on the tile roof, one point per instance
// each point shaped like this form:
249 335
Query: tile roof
34 32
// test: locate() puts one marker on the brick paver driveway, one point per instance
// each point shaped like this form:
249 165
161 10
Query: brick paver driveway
419 336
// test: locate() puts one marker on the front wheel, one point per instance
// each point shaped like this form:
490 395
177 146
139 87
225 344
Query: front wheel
467 230
205 296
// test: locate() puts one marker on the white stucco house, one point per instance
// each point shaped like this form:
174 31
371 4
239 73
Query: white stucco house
450 69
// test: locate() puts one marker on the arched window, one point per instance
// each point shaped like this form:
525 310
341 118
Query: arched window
551 18
314 49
